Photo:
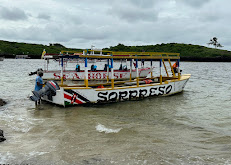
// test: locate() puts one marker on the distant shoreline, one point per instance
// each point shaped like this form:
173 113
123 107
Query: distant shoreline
193 59
209 59
188 52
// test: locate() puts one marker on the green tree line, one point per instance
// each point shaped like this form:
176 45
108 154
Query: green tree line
187 51
11 49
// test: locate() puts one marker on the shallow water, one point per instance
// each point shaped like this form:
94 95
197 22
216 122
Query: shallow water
193 127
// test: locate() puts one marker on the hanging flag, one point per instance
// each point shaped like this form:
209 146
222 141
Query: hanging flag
44 52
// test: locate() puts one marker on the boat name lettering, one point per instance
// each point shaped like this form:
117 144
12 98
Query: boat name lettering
136 93
91 75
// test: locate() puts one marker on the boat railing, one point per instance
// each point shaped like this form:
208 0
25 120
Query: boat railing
148 54
111 55
87 52
120 84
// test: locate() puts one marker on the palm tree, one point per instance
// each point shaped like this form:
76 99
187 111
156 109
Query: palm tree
214 42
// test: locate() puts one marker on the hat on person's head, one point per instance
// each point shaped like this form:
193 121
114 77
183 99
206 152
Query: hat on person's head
40 73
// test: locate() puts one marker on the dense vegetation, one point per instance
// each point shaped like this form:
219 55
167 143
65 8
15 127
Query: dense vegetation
187 51
11 49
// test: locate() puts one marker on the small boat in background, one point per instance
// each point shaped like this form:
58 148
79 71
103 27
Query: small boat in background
22 57
2 58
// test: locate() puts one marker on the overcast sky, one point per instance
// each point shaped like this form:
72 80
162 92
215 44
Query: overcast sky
104 23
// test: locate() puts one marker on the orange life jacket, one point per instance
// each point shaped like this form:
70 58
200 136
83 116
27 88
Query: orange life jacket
174 65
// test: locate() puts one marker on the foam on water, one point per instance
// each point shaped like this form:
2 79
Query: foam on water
102 128
34 153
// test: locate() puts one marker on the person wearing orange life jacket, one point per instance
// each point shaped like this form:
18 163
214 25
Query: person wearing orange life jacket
174 66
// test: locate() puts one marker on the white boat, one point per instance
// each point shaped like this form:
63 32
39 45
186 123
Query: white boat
113 91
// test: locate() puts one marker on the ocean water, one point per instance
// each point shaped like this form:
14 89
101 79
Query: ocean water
193 127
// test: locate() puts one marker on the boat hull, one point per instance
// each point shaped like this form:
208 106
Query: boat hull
82 95
94 75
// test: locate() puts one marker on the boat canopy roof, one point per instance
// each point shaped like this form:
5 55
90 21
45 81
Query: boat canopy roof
119 55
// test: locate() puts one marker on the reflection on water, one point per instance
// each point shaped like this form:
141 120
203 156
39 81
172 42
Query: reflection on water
192 127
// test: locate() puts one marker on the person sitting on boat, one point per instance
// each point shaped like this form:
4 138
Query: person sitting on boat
105 67
142 63
39 81
175 67
125 67
121 67
77 68
93 67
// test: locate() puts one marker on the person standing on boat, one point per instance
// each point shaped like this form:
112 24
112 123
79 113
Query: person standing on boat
39 81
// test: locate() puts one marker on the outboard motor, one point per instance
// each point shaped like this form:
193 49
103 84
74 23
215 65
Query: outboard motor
49 90
32 73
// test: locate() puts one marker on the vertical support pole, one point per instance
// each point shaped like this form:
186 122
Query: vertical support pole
61 71
160 71
47 63
112 74
178 68
151 69
173 73
107 70
165 68
137 73
86 73
130 69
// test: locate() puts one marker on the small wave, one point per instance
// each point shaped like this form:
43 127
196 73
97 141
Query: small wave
102 128
34 153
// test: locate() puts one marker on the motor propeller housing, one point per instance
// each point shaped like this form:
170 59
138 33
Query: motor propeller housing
49 90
